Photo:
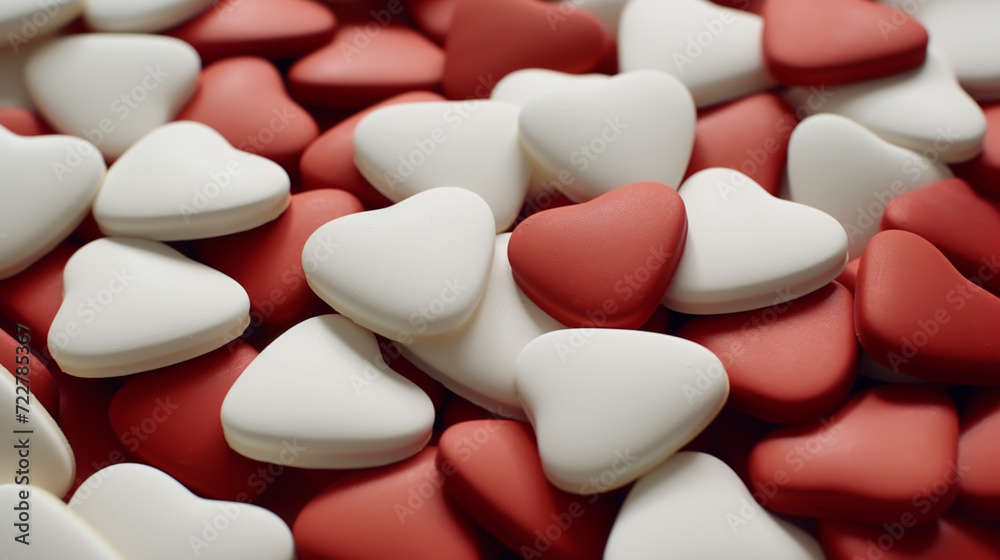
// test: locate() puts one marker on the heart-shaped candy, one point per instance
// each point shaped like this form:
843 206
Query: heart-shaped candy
123 502
15 353
746 249
410 148
604 263
148 16
951 536
111 89
607 400
335 394
715 51
635 127
23 122
33 297
413 272
46 187
845 170
979 489
521 86
695 506
184 181
129 306
22 21
983 171
917 315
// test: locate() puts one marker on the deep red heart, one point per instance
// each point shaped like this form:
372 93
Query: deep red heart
849 276
791 363
750 135
979 489
814 43
329 161
917 315
960 223
267 261
603 263
387 513
433 17
274 29
33 296
489 39
951 536
267 123
498 480
365 63
18 359
890 451
983 171
23 122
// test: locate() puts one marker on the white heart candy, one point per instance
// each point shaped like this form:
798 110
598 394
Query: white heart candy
184 181
634 127
148 16
715 51
964 31
478 363
608 403
924 110
521 86
694 506
746 249
845 170
47 184
133 305
413 147
412 272
607 11
112 89
147 514
324 382
22 21
50 531
39 442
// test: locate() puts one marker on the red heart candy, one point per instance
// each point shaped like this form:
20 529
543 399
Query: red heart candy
267 261
960 223
489 39
754 6
170 418
33 296
791 363
267 123
917 315
16 358
750 135
890 451
387 513
849 277
498 480
949 537
365 63
606 262
983 171
979 489
433 17
23 122
275 29
329 161
833 43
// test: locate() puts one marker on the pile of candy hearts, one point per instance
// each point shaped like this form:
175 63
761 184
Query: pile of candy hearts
499 279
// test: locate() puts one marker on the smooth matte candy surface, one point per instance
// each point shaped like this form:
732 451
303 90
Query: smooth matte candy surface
51 464
372 515
715 51
184 181
24 354
790 363
410 148
833 43
521 86
124 502
845 170
129 306
983 171
951 536
888 452
54 531
413 272
604 263
478 362
695 506
615 400
109 88
635 127
917 315
498 480
489 39
924 110
979 490
267 123
22 21
960 223
47 185
746 249
323 383
148 16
